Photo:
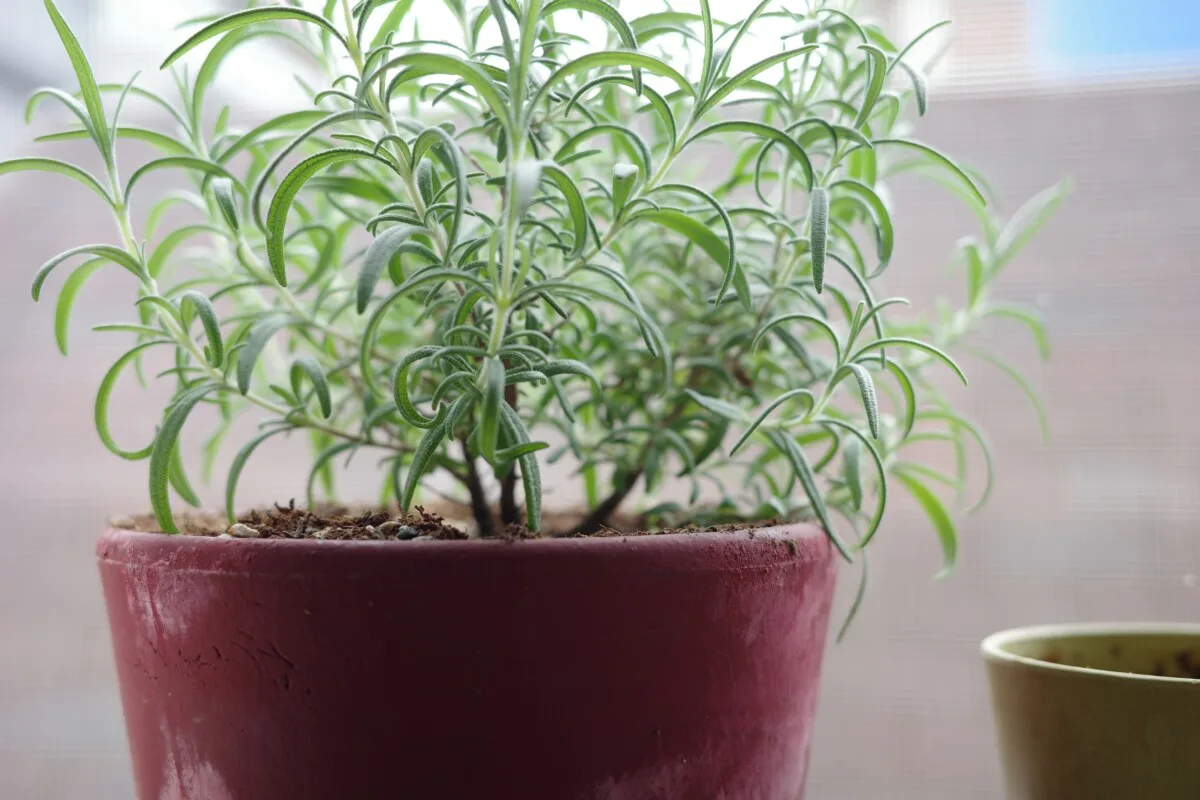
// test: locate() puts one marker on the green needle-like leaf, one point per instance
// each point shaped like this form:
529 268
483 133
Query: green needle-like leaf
821 325
260 333
303 172
66 299
910 400
808 482
421 64
306 367
612 58
852 470
866 387
880 215
770 409
657 102
378 255
102 400
55 166
489 409
730 265
436 137
87 82
163 453
161 141
938 159
404 404
1030 319
761 131
174 162
114 255
1014 375
226 203
920 87
915 344
877 72
748 74
390 24
609 14
623 179
580 220
936 512
818 240
1028 220
706 67
250 16
203 308
531 474
719 407
426 449
859 594
956 420
696 231
239 464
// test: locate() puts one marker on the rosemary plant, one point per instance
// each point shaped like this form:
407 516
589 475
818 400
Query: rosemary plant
647 252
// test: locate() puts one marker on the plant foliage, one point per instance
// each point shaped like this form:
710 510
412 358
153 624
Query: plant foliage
652 252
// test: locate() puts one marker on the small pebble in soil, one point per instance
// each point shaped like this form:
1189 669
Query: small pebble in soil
321 534
225 536
397 530
389 528
425 538
241 531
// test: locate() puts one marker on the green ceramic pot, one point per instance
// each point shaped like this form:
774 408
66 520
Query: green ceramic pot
1098 712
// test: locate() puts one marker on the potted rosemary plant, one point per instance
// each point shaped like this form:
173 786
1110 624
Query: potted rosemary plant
623 251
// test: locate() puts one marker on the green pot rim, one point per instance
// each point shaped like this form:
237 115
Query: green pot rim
993 646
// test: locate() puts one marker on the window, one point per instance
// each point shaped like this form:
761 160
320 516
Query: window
1105 36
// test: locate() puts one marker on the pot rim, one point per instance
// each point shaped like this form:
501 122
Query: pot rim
993 646
796 543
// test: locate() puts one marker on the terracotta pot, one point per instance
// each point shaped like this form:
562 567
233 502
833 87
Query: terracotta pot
1098 712
675 666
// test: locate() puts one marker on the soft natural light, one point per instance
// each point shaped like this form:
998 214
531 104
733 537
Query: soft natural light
515 400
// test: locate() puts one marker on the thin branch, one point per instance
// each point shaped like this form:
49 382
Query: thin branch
479 502
600 515
604 511
509 512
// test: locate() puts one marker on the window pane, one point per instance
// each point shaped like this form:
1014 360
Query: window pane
1109 35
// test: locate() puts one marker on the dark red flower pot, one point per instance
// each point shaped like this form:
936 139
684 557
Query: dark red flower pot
676 666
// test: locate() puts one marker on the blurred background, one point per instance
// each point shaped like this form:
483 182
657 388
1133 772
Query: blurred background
1098 523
